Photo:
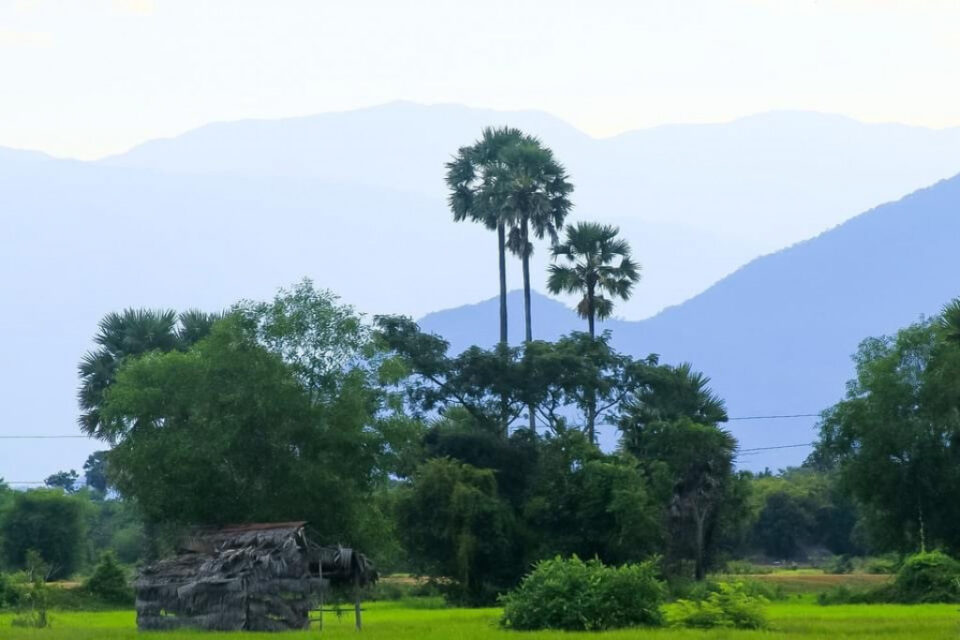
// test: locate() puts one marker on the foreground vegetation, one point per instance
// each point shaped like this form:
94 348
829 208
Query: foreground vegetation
798 618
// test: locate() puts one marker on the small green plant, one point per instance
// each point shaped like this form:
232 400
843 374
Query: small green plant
109 581
730 605
574 595
32 610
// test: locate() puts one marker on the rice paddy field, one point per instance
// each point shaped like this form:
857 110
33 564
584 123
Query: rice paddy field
799 616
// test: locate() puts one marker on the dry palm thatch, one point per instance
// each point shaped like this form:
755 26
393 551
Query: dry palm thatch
256 577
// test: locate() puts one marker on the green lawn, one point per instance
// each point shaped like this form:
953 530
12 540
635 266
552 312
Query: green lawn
798 618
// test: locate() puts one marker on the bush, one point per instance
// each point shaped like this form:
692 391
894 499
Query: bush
109 582
574 595
928 577
731 605
845 595
888 564
9 593
743 568
32 609
840 565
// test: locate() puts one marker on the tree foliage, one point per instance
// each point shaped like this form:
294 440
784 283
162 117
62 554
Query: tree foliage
49 523
895 438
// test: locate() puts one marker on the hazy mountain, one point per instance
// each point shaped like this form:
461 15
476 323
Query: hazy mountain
777 335
696 201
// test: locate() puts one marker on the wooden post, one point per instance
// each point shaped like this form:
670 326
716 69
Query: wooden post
322 589
356 604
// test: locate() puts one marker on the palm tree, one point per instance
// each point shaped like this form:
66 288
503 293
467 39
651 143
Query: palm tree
592 250
132 333
535 190
473 178
950 321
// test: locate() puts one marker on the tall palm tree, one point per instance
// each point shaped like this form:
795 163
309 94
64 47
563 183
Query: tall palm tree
535 190
473 178
599 266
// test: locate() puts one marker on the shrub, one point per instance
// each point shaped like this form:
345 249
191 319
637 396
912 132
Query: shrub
928 577
845 595
743 568
840 565
109 581
731 605
32 609
888 564
9 593
574 595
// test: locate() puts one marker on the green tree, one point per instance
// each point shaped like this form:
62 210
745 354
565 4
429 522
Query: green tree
600 268
454 524
592 251
895 438
66 480
784 526
584 502
49 522
473 179
131 333
671 427
95 471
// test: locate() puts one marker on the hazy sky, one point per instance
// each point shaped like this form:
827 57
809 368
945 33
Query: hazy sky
85 78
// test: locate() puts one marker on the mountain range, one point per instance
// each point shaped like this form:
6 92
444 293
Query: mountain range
356 202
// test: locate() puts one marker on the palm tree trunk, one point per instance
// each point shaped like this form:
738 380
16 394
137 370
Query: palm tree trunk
502 264
502 254
591 394
528 323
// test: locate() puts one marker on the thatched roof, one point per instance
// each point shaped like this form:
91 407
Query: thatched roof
250 576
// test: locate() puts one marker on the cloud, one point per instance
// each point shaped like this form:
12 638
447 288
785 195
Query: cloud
39 39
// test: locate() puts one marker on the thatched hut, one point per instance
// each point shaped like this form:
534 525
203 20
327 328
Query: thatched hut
256 577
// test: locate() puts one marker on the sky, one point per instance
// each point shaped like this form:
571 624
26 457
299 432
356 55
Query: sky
88 78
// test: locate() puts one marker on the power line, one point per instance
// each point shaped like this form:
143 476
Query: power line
792 415
49 437
782 446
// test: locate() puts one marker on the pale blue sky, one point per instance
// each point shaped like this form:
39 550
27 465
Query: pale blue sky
85 78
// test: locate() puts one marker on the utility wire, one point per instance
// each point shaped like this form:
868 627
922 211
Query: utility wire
40 437
793 415
782 446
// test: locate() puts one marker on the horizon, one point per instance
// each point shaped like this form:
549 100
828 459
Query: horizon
607 137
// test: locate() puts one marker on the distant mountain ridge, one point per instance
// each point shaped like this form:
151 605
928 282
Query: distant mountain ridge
695 200
776 337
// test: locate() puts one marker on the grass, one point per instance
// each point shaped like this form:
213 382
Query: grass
797 618
811 580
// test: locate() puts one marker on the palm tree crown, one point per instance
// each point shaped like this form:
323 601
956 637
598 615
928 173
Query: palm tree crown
534 192
473 177
599 266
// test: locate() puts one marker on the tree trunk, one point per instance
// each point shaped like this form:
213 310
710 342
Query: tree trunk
700 569
502 257
528 322
591 394
502 254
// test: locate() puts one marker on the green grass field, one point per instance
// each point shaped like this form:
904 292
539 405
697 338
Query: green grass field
797 618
